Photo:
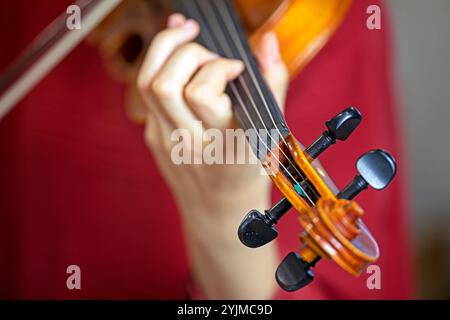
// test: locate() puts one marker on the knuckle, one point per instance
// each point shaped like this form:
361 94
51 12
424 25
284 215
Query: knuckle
220 69
196 94
220 62
192 47
163 37
194 50
214 65
162 88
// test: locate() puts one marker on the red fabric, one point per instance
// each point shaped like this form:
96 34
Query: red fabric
78 186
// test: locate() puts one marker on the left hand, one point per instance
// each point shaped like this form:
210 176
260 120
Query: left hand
182 83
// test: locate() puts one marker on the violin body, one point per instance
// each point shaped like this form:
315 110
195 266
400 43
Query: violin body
303 27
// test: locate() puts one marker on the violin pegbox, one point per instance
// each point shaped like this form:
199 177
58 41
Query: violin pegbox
332 222
258 229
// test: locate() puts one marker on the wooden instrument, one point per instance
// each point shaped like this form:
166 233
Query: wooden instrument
331 220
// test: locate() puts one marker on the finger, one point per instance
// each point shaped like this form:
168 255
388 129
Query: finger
152 132
175 20
162 46
272 66
157 131
168 85
205 93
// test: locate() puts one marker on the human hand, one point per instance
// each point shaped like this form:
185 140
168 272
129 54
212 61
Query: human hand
182 84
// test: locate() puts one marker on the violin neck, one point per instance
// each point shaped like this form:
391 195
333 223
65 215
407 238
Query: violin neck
254 104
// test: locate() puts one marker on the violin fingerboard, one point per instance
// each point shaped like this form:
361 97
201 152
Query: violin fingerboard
254 104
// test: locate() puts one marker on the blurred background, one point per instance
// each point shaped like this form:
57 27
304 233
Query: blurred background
421 37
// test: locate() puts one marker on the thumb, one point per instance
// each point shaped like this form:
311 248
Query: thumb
272 66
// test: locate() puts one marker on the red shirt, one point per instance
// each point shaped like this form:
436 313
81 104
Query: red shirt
78 185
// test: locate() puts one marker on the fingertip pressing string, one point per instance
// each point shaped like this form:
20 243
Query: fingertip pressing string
223 44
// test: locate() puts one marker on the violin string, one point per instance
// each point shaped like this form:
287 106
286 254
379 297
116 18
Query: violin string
244 55
239 98
243 83
228 51
234 33
249 67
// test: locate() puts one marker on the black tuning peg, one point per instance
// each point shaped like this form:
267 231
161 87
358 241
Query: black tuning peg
376 168
294 273
258 229
340 127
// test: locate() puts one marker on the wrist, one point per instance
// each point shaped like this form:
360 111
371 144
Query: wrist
219 215
225 204
221 265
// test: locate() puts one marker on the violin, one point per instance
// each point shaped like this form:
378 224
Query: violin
331 219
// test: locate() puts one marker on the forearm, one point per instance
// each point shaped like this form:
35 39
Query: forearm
222 267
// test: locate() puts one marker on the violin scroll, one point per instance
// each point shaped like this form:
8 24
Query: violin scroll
377 168
331 220
294 272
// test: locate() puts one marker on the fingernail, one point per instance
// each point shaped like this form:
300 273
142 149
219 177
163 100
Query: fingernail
190 25
175 20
